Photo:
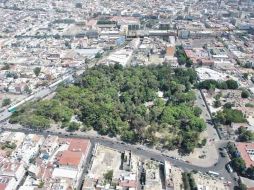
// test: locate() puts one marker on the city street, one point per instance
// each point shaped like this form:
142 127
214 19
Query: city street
151 83
139 150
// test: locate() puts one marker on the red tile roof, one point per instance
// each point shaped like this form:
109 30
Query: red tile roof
76 149
189 53
70 158
128 183
2 186
242 149
79 145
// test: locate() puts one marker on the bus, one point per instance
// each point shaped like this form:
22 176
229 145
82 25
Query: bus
13 108
212 173
229 168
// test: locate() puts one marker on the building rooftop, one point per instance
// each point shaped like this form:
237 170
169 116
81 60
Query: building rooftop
69 158
247 152
79 145
64 173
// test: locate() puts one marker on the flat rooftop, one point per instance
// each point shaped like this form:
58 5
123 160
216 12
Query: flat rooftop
105 159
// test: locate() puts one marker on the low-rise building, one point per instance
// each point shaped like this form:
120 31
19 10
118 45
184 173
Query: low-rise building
246 151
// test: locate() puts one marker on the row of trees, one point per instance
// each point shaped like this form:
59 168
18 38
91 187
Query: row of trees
188 181
212 84
124 101
14 75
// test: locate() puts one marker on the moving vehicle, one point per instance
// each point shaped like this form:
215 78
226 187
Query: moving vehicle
212 173
13 108
222 154
229 168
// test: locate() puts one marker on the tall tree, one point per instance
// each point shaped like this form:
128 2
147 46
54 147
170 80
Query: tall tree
37 71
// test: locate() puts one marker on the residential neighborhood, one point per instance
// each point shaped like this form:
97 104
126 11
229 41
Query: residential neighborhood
127 95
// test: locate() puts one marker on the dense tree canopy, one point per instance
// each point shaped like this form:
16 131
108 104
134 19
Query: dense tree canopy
245 135
125 101
228 116
182 58
209 84
238 164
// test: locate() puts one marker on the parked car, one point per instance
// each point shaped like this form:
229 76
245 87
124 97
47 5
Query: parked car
222 154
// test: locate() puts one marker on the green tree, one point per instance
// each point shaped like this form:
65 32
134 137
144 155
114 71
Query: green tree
189 142
231 149
203 142
186 183
238 164
128 136
232 84
245 135
245 94
192 182
108 176
41 184
250 105
27 90
116 100
228 116
181 60
8 145
218 96
34 121
241 187
6 66
217 104
11 75
228 105
37 71
73 126
98 55
189 62
57 36
250 172
207 84
197 111
245 75
6 102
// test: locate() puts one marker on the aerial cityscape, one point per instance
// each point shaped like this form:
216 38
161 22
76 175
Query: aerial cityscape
127 95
